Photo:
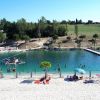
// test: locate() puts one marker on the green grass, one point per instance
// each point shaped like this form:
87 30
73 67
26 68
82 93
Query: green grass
88 30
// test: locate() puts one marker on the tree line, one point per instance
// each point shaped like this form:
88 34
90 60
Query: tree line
23 30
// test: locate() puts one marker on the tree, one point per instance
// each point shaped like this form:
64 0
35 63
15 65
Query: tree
93 42
22 26
10 29
95 36
63 22
2 36
25 37
39 33
76 29
16 37
61 30
66 29
48 31
90 22
55 27
78 41
54 37
45 65
2 23
81 39
42 26
30 30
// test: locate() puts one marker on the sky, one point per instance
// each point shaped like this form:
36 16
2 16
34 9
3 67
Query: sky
32 10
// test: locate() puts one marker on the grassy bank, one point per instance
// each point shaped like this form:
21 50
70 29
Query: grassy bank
88 30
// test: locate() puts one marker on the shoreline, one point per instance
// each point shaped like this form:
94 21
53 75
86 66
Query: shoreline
18 50
39 48
39 75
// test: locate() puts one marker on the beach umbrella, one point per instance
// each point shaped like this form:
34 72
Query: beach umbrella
79 70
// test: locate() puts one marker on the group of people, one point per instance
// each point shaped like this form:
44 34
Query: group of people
13 60
73 78
43 80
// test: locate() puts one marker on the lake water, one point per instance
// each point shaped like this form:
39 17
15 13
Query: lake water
67 59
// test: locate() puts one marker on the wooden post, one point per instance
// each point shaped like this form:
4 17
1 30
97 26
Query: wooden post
60 74
59 70
75 73
16 75
31 74
89 74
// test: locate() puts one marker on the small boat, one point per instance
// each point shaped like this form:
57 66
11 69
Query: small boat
19 62
12 61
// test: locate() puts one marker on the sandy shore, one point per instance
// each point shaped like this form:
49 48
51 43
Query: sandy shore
57 89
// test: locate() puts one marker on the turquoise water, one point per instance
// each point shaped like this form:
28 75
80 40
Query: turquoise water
68 60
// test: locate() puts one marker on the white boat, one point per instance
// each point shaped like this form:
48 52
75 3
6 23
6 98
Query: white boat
11 62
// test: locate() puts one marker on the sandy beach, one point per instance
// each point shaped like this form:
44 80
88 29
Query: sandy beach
57 89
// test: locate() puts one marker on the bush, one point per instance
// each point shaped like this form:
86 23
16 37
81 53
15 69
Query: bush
68 38
82 36
55 37
64 41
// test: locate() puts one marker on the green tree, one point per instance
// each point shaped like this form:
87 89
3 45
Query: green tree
45 65
39 33
48 31
92 41
10 29
78 41
2 36
30 30
76 29
61 30
22 26
42 26
2 23
95 36
55 27
54 37
66 29
16 37
25 37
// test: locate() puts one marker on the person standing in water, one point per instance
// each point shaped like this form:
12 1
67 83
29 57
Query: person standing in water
59 70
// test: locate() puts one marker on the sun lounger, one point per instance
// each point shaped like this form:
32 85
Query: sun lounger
88 81
91 81
26 81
